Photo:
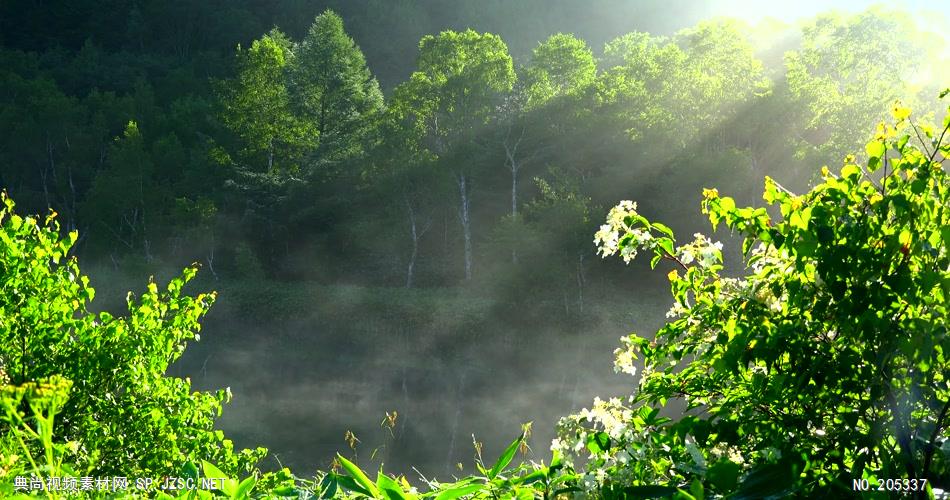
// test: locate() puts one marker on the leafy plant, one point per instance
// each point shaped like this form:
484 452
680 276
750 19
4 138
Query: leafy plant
498 481
32 431
124 416
824 364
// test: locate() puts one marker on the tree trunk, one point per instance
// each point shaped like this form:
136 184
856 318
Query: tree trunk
514 189
270 157
511 159
580 282
514 204
415 245
465 217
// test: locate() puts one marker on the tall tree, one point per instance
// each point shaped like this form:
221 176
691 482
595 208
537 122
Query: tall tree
460 79
256 107
530 118
333 90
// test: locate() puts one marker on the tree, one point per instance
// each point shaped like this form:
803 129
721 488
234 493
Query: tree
405 177
125 201
824 364
684 86
560 65
450 97
847 69
256 107
333 90
722 74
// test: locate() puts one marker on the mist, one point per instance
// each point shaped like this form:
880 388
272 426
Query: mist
427 252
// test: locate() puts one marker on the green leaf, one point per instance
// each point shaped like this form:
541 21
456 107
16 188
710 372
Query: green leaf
289 491
598 442
875 149
505 457
902 142
696 489
358 476
328 486
211 471
189 470
228 486
530 478
904 238
453 493
727 203
349 483
851 171
390 488
666 244
244 489
799 219
724 476
663 229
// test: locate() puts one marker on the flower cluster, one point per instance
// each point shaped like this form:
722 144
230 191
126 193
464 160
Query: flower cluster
623 445
624 357
619 226
702 250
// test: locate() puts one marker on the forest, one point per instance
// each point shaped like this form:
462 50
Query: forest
269 249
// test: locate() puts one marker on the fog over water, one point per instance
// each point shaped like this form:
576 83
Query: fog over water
300 383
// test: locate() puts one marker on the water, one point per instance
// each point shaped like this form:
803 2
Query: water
299 383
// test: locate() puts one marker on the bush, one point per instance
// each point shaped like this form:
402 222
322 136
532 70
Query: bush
123 416
824 364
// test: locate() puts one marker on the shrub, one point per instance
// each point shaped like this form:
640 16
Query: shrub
824 364
123 416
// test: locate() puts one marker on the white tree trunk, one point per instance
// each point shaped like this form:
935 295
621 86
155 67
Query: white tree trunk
511 160
466 219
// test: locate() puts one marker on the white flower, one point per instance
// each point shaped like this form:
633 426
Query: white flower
641 236
623 362
710 254
676 310
628 253
607 240
686 255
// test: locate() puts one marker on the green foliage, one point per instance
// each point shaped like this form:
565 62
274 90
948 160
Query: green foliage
123 416
32 431
257 106
123 202
459 79
333 89
113 121
680 86
825 362
560 65
524 481
847 69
